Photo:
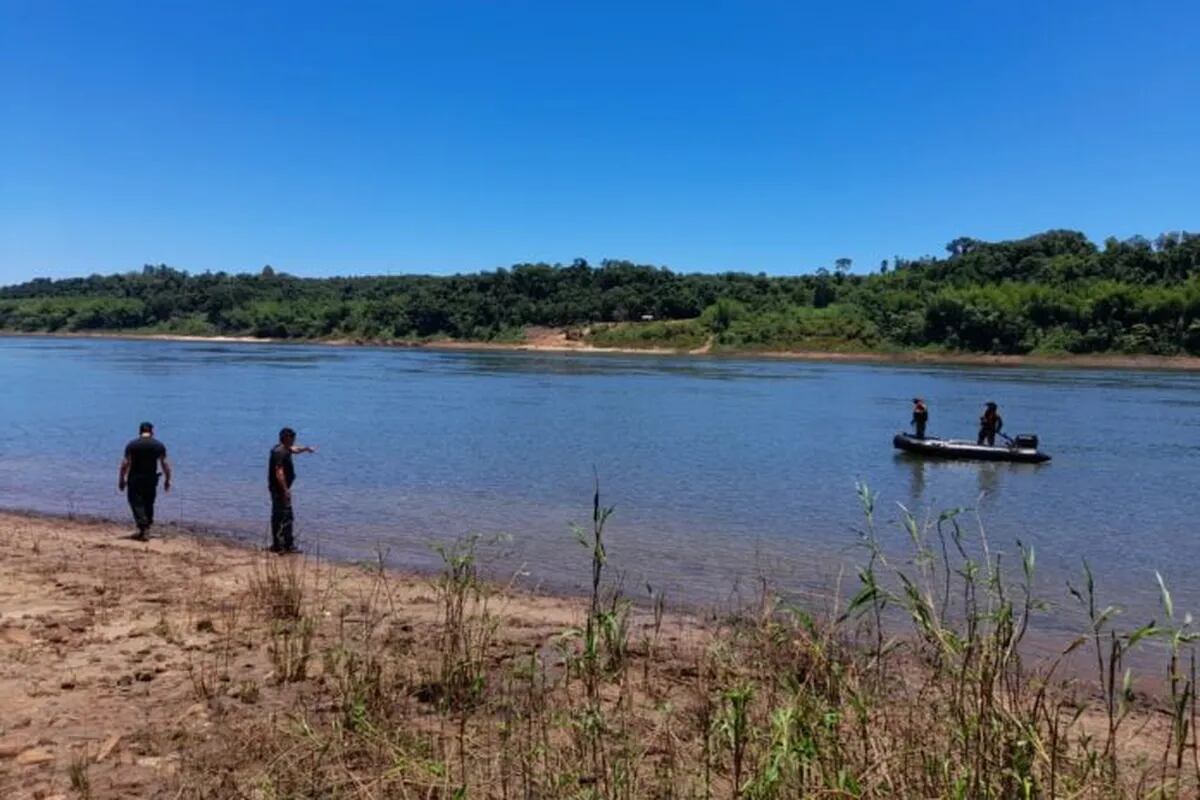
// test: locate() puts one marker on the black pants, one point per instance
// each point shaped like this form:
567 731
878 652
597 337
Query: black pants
920 425
141 496
987 435
282 520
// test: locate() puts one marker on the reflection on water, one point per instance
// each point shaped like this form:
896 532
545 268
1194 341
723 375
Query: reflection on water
989 475
721 469
916 468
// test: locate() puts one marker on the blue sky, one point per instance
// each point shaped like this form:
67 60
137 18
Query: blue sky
328 138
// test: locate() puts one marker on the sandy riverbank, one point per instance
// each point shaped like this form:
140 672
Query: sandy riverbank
552 340
188 667
104 643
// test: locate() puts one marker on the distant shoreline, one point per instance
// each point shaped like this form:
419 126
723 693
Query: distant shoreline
554 341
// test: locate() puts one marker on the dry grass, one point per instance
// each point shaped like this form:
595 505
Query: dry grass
464 702
189 669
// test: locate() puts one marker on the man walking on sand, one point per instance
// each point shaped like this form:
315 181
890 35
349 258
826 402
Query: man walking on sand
280 476
139 477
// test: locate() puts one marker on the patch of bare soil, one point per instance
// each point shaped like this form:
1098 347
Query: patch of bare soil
117 654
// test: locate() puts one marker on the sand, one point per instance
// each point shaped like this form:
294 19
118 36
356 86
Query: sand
124 664
106 642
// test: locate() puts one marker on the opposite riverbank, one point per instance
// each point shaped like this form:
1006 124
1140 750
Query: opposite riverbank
189 667
555 340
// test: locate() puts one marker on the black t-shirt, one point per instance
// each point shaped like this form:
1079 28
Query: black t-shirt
281 456
144 453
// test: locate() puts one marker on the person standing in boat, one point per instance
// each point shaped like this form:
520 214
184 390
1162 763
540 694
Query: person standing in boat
920 416
989 425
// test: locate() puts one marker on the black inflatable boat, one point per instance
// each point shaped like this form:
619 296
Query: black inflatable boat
1023 448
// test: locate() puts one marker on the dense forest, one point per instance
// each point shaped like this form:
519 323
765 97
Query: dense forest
1055 292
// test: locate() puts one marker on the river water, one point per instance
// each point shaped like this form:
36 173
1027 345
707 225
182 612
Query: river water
721 471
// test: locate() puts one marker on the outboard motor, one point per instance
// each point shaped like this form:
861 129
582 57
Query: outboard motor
1026 440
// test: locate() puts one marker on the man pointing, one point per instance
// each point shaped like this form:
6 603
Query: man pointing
281 474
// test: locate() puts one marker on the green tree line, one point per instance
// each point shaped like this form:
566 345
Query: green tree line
1052 292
